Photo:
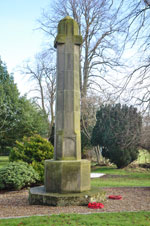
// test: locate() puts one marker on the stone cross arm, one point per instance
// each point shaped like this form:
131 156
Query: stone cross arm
68 28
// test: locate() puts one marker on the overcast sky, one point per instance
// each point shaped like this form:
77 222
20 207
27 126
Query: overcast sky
19 39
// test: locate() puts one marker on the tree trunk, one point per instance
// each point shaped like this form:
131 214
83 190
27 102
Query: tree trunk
98 156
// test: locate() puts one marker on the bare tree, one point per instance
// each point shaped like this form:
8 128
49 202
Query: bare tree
90 105
43 74
135 18
97 20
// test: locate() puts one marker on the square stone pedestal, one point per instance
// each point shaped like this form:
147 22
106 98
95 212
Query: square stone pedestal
67 176
66 183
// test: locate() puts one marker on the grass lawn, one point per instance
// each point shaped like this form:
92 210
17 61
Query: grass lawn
3 161
111 219
121 177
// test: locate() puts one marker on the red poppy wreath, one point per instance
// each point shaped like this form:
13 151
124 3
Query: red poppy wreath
117 197
95 205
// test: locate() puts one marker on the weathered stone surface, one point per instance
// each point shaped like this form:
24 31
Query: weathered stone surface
67 126
38 196
68 28
67 176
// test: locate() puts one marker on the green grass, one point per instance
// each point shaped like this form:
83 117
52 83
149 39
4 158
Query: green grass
104 219
122 178
3 161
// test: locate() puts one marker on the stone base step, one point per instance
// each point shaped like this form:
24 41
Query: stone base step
38 196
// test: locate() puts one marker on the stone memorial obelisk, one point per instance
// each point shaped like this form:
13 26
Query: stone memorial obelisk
67 177
67 173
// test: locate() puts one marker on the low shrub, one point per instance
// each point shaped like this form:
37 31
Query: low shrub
33 150
17 175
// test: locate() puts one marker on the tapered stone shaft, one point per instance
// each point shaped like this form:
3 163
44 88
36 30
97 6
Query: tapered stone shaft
67 126
67 172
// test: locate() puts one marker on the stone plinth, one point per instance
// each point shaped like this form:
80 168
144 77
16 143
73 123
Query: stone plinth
38 196
67 176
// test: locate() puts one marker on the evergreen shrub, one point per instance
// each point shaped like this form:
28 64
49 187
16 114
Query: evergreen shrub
34 150
17 175
117 131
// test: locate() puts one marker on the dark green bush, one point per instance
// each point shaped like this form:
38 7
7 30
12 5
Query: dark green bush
33 150
118 130
17 175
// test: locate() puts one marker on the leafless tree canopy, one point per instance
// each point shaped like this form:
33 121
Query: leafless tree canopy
135 18
98 24
43 74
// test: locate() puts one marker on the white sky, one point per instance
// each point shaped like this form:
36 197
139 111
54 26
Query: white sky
19 39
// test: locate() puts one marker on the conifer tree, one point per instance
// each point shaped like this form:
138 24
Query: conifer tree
118 130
